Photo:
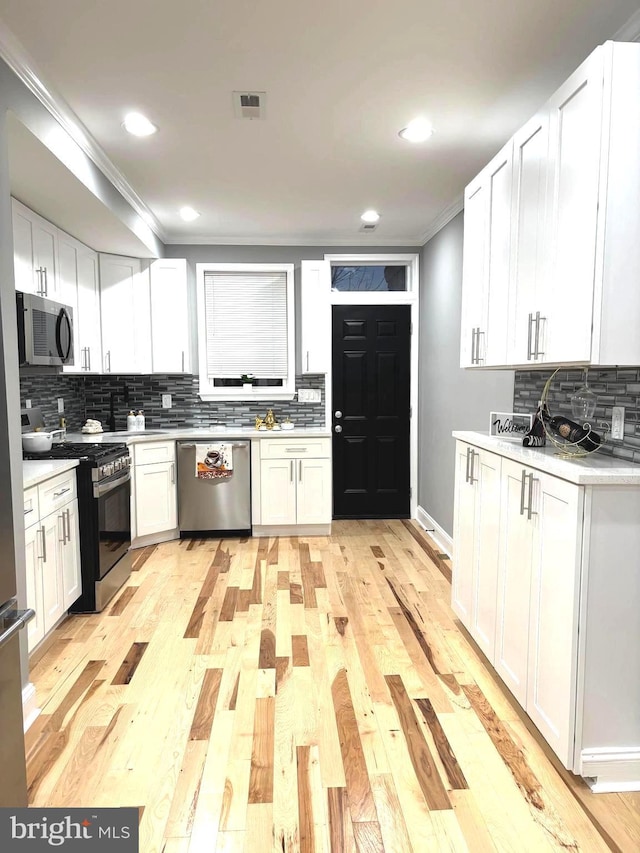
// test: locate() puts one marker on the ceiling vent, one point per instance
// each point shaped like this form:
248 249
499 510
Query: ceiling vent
249 105
368 227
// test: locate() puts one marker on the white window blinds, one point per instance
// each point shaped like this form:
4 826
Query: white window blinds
246 324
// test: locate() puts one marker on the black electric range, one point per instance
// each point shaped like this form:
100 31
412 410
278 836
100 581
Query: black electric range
104 514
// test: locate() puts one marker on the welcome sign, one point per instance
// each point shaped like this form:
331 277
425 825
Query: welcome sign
510 425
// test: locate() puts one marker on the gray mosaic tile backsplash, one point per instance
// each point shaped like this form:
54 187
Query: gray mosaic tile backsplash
614 386
89 397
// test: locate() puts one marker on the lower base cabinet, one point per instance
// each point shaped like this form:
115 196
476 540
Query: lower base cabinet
545 579
52 550
154 490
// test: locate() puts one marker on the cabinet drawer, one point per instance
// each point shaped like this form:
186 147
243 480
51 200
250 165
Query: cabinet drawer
285 448
56 492
31 511
154 451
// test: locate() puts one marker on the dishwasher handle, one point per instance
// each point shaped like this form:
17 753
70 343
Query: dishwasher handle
230 443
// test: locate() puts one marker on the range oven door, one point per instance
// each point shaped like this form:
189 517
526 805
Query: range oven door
113 497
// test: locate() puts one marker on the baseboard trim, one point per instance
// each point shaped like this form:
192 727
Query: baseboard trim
439 536
30 710
611 770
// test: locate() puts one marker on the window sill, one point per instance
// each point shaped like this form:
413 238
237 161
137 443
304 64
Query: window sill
238 395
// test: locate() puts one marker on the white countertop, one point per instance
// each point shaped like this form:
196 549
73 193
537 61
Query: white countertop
36 471
215 432
596 469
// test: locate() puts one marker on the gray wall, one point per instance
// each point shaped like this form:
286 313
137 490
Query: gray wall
450 398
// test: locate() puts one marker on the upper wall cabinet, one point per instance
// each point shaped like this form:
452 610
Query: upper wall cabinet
125 314
315 317
169 316
79 286
574 257
35 252
485 279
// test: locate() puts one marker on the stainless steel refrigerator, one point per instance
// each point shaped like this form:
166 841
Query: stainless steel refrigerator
13 784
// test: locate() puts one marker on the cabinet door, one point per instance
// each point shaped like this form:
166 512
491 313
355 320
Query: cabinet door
485 470
53 596
23 265
529 236
514 580
89 353
33 553
278 491
491 347
553 621
464 536
125 314
169 316
473 267
71 580
155 491
575 115
313 500
45 256
316 316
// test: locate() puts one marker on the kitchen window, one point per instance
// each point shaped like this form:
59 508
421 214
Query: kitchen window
246 328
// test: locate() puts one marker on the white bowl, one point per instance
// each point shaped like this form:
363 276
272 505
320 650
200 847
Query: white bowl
39 442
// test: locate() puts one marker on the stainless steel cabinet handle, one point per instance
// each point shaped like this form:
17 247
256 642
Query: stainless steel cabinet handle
296 449
473 346
62 492
473 479
478 333
530 511
183 361
88 358
68 515
13 621
536 350
338 428
44 544
300 470
63 539
523 484
529 337
27 511
107 361
307 361
46 281
173 472
466 475
291 471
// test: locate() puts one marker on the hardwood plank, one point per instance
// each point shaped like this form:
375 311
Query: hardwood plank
283 579
423 764
267 650
130 664
206 707
261 777
449 761
120 604
305 808
229 604
195 620
361 804
341 838
295 594
55 720
300 650
141 557
391 818
368 837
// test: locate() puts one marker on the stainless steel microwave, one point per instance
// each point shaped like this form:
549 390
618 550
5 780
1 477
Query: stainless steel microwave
45 331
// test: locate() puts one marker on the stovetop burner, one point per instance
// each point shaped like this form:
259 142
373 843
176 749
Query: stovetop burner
83 451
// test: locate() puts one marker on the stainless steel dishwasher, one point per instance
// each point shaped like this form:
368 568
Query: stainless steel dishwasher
218 505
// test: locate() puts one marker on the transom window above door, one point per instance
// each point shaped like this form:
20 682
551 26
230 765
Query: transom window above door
370 277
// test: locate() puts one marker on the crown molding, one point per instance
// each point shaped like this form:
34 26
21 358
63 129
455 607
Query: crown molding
442 219
23 66
631 30
176 238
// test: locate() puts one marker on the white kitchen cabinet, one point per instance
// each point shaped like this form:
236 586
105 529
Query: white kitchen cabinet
486 263
125 315
52 543
291 485
80 288
568 594
35 247
171 351
476 539
154 492
315 291
575 226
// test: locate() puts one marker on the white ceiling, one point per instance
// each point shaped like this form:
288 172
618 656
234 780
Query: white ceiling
341 76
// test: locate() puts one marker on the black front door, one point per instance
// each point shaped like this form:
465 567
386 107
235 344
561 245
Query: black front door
370 418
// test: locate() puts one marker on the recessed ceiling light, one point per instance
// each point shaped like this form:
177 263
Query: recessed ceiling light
188 213
418 130
138 125
370 216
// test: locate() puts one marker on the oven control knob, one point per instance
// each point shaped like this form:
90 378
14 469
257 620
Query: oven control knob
117 465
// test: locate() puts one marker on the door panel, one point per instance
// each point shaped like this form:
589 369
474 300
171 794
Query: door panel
486 468
464 536
371 387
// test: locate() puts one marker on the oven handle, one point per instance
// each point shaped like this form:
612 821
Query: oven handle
100 489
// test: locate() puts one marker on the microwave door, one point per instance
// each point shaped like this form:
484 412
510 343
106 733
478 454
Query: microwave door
64 337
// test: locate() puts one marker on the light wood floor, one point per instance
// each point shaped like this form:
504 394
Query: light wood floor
301 695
